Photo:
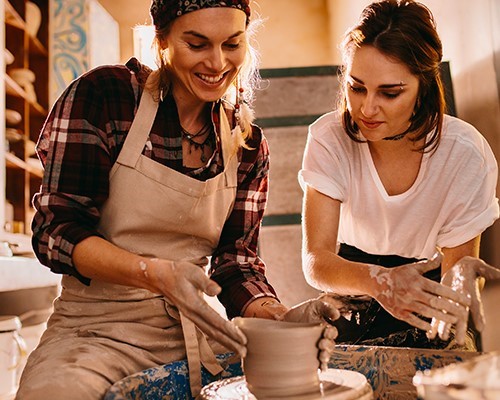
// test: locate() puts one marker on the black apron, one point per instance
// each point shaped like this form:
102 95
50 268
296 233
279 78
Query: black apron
365 322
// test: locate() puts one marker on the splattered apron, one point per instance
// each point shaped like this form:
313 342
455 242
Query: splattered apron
154 211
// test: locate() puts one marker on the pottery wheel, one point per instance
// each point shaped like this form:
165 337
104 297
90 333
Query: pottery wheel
336 385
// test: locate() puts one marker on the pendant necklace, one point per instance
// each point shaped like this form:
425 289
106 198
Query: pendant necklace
207 142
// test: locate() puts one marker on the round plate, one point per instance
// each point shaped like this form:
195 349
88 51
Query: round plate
336 384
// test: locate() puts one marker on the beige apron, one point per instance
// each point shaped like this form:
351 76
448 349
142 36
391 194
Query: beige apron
154 211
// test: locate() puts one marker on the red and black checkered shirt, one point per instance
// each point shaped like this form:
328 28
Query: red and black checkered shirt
80 142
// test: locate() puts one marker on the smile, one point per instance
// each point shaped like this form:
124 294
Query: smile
211 79
371 124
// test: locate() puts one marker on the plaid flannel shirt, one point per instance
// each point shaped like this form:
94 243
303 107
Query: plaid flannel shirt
78 145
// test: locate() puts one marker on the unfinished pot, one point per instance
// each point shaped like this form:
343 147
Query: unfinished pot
282 357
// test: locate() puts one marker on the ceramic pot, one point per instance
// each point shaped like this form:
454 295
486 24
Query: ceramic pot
33 18
282 357
12 117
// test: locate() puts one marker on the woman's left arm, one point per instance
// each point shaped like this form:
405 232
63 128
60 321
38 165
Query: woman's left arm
453 254
465 272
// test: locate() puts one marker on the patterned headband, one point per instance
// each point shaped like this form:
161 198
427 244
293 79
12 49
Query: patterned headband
165 11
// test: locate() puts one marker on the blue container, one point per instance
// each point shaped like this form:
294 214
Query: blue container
169 381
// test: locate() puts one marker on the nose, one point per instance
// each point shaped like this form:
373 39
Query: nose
216 59
370 106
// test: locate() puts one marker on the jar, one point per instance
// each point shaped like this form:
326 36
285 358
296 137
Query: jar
11 351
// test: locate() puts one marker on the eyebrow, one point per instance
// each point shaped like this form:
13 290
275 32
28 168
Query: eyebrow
199 35
384 86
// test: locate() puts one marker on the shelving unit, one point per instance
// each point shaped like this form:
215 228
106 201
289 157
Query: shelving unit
22 171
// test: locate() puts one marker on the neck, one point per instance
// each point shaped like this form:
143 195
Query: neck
192 116
394 148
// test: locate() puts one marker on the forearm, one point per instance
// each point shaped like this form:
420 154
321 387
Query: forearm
328 272
453 254
96 258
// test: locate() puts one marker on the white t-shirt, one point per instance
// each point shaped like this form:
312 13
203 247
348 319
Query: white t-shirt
452 200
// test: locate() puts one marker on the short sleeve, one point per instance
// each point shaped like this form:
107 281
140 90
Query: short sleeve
323 167
475 205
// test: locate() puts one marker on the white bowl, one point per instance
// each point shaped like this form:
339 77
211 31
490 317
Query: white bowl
12 117
22 75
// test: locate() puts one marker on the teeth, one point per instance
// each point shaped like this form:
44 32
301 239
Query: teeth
210 78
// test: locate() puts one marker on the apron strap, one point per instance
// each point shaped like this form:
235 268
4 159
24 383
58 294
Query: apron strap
141 127
198 351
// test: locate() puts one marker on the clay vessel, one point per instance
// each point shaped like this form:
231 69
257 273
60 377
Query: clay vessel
282 357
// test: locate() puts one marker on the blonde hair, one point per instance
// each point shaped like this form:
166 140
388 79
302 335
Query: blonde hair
248 77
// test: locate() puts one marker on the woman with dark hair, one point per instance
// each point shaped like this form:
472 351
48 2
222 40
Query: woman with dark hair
394 189
148 175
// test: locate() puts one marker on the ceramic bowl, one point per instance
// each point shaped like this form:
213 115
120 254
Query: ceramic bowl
22 75
12 117
33 18
9 57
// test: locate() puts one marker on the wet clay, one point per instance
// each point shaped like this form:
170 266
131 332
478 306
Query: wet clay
282 357
335 384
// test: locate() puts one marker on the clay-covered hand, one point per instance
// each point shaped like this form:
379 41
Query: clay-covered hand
183 284
321 310
463 277
409 296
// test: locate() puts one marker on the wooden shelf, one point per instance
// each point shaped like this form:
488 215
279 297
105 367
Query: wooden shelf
12 88
12 17
22 173
14 162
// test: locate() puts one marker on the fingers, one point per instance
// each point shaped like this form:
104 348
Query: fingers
430 312
415 321
447 293
202 282
488 272
216 327
432 332
326 346
477 310
327 310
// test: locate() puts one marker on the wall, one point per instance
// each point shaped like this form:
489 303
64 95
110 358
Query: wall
76 31
293 33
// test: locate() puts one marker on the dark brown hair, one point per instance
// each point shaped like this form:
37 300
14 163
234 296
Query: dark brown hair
404 30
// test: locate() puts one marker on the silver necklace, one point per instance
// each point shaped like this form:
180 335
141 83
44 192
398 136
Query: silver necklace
207 142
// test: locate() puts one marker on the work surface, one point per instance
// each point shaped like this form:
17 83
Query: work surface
389 370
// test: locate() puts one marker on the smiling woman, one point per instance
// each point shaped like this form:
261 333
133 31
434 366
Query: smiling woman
149 176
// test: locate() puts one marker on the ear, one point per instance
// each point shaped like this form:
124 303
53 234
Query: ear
163 42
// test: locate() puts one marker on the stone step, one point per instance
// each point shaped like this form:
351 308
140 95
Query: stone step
296 92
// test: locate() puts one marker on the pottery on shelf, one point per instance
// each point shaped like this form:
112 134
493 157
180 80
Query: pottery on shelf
25 77
12 117
22 75
282 357
13 135
33 18
8 56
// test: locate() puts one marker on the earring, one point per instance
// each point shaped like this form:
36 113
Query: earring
239 101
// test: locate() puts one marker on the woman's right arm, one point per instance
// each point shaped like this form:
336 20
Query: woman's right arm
323 268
